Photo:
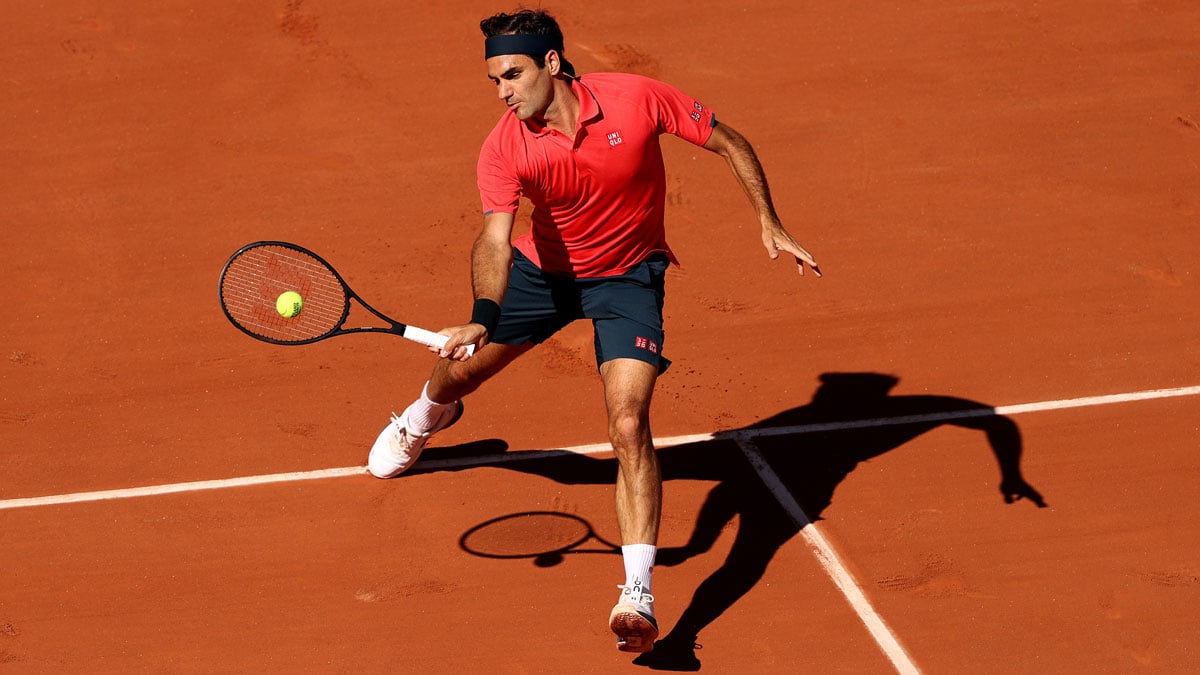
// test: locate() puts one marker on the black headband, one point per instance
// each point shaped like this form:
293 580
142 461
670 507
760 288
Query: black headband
527 44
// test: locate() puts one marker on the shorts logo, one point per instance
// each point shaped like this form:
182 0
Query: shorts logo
614 139
643 343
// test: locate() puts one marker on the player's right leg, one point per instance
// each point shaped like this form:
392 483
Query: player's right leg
439 406
452 380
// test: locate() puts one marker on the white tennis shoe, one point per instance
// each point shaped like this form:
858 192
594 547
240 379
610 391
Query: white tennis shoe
396 448
632 620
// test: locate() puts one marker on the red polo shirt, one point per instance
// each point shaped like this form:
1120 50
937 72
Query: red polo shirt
598 201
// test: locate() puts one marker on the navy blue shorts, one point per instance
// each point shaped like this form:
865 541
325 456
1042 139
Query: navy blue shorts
626 310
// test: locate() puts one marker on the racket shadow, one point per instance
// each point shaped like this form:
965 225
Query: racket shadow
544 537
811 465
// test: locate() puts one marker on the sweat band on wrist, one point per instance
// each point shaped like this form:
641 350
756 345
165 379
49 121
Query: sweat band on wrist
487 314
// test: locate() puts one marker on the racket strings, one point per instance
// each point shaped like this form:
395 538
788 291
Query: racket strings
254 280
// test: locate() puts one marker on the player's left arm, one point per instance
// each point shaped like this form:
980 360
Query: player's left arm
743 161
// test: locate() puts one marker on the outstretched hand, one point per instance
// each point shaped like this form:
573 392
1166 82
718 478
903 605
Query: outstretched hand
777 239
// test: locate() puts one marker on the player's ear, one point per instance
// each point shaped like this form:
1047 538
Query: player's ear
553 63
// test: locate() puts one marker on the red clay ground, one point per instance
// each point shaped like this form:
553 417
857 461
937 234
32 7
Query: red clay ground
1003 198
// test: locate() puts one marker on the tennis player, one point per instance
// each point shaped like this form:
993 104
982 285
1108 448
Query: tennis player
585 151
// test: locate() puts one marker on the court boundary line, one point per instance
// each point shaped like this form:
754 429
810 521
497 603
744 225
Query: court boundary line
830 561
597 448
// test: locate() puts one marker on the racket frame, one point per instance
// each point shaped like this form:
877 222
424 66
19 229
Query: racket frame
418 335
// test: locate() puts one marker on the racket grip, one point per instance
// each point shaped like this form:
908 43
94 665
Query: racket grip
430 339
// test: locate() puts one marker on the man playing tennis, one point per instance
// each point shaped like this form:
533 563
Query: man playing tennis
585 151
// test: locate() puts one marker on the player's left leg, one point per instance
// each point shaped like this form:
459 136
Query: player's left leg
628 387
626 312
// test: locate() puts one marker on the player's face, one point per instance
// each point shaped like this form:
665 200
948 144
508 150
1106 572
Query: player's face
526 89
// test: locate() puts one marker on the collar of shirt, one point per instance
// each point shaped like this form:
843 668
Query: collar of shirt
589 110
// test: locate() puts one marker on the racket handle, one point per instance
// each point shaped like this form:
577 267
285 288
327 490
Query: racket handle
429 338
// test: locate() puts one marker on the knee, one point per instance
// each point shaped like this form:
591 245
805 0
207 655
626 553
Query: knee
630 434
453 380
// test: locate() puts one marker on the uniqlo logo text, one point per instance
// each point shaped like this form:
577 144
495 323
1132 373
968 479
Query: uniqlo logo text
643 343
614 139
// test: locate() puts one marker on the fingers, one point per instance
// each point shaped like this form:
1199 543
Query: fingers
460 340
802 256
459 353
456 351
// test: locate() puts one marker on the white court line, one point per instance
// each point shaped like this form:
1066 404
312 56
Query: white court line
831 562
597 448
172 488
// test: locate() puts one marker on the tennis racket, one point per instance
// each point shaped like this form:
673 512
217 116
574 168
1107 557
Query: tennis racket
257 274
544 536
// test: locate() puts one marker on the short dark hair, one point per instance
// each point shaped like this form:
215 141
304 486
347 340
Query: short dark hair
524 22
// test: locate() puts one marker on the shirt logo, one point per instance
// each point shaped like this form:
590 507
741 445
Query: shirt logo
643 343
614 139
696 113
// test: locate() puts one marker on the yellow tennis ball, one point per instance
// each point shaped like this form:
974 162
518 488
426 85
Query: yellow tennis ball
289 304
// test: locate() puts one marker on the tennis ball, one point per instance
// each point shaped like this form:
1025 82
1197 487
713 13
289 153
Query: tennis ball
289 304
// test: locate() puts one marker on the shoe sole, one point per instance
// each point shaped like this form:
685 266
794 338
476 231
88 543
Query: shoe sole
635 631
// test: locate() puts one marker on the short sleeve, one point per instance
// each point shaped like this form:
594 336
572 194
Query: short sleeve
680 114
499 187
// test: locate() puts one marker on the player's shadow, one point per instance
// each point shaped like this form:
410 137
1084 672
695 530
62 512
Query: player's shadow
812 448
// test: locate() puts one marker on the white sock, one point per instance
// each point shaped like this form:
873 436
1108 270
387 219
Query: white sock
639 566
424 413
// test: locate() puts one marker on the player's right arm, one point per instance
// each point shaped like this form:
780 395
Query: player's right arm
491 257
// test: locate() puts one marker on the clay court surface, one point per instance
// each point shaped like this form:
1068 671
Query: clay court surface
1003 197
